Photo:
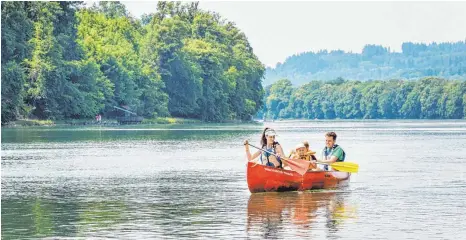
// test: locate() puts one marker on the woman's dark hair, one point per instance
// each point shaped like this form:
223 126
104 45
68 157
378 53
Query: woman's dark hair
263 138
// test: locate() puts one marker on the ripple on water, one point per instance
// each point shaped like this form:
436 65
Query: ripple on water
190 182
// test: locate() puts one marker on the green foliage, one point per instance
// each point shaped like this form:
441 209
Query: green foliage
207 66
428 98
16 31
13 79
63 61
446 60
29 122
111 9
169 120
114 44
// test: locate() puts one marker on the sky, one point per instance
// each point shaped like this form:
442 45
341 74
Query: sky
277 30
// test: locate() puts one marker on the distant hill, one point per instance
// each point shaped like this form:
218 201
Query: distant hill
446 60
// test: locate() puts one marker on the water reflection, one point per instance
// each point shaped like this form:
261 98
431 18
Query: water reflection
46 218
275 214
191 184
148 132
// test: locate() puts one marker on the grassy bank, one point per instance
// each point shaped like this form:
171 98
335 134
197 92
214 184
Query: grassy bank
170 120
30 123
105 122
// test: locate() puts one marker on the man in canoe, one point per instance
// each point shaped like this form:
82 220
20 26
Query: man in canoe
332 151
269 144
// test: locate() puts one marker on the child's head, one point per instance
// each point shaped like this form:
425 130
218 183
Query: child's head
300 149
306 145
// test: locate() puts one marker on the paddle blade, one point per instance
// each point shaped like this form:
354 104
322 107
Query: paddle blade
298 165
345 167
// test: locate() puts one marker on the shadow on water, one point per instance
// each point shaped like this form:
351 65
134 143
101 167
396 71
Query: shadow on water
272 214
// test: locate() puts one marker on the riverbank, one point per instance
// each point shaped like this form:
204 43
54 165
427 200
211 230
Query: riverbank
106 122
87 122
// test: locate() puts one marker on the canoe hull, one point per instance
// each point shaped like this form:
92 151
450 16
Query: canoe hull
267 179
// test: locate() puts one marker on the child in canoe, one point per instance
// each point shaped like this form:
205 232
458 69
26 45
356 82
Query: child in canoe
309 152
302 152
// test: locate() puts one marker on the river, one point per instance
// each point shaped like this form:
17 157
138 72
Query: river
189 181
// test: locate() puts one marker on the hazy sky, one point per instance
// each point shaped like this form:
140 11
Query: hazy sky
277 30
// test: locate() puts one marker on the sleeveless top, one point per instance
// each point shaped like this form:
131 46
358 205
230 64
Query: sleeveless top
265 156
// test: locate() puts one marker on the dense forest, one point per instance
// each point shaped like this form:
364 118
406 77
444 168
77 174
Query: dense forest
427 98
62 60
417 60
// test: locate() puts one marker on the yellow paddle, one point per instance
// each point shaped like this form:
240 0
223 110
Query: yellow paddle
344 166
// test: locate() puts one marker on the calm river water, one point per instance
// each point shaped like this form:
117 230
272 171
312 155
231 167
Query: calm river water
189 181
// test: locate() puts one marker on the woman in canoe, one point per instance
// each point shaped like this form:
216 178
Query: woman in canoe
269 144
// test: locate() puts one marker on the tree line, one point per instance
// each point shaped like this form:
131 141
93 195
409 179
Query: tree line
427 98
375 62
62 60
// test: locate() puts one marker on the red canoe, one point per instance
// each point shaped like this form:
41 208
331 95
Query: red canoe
268 179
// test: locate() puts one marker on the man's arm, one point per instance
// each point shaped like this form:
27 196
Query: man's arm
332 159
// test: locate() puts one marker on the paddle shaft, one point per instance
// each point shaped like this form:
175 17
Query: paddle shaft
278 156
323 163
281 158
264 150
299 166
